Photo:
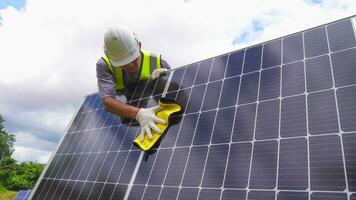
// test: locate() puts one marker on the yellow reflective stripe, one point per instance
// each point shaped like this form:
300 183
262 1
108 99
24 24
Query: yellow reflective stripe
158 61
119 82
146 68
106 59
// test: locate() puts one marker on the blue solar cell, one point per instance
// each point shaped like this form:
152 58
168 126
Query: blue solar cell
346 99
160 167
244 123
206 194
182 98
84 193
98 163
215 166
292 195
169 193
56 167
223 126
234 65
119 192
229 92
106 167
189 76
293 164
195 99
70 166
203 72
160 85
293 117
176 168
171 95
212 95
234 195
267 125
344 67
341 35
59 190
171 135
78 167
188 193
293 48
150 86
65 165
218 68
271 54
22 193
131 133
117 167
350 159
318 73
195 166
117 137
145 170
265 195
53 186
107 191
176 79
270 84
252 61
326 163
328 196
237 171
129 167
136 192
249 88
151 192
315 42
264 160
84 173
77 187
322 113
185 136
204 128
293 80
96 191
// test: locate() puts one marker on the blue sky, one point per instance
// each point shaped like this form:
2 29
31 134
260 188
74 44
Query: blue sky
49 49
18 4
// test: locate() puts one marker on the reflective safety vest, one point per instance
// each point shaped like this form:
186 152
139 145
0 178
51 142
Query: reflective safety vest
149 63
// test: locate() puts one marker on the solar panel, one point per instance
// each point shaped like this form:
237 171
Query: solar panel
22 195
273 121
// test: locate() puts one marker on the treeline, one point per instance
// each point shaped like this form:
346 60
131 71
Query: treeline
15 176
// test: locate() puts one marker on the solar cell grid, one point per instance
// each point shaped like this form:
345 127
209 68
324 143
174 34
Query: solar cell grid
272 121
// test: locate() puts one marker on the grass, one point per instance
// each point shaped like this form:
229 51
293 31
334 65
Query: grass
7 195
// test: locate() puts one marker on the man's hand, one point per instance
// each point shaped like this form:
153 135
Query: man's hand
158 72
147 119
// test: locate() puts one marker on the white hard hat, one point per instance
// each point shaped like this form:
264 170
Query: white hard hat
120 45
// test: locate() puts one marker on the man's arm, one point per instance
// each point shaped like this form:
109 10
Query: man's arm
118 108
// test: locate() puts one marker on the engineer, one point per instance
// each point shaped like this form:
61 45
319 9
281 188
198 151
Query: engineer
125 63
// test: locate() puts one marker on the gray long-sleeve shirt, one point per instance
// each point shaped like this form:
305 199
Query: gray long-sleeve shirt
106 79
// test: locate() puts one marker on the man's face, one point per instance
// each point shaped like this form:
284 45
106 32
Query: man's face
132 66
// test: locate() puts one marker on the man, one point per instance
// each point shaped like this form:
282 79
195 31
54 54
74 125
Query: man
125 63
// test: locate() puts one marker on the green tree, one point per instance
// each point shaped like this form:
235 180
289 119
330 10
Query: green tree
14 176
6 142
24 176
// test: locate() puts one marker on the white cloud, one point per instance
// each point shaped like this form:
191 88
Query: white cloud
24 154
49 49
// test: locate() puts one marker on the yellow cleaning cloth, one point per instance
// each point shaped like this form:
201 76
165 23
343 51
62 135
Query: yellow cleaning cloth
170 108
